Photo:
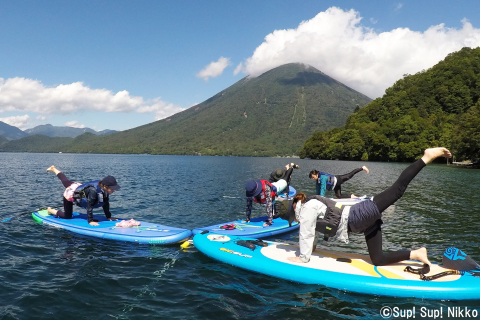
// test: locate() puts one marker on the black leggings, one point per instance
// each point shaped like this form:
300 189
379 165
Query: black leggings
287 175
343 178
383 200
67 212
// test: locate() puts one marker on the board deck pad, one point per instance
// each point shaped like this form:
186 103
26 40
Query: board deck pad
359 275
149 233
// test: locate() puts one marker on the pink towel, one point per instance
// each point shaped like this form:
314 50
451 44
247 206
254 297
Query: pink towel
127 223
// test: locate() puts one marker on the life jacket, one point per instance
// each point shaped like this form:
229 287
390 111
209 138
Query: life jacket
81 199
262 195
330 181
328 225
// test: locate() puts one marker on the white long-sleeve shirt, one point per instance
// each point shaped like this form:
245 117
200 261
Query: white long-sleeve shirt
307 215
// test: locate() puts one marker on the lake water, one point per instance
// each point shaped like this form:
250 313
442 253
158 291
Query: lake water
47 273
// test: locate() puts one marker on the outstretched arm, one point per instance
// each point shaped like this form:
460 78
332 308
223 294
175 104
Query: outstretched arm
92 198
106 209
248 210
268 203
323 184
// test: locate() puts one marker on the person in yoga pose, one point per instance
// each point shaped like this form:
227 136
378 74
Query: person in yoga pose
326 181
264 192
315 212
90 195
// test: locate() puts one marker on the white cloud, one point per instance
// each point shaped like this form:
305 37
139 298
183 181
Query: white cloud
27 95
74 124
337 44
214 69
41 118
238 69
373 21
398 6
161 109
20 122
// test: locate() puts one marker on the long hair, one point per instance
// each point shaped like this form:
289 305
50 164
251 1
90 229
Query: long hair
300 196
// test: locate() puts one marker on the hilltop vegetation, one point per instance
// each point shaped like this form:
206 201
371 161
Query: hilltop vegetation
269 115
436 107
63 131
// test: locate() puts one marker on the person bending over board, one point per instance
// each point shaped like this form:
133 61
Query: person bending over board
318 214
325 181
264 192
89 195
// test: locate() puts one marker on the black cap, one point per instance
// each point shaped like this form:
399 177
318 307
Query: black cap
110 182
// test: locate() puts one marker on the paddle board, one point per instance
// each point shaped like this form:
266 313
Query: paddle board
357 274
148 233
254 229
292 192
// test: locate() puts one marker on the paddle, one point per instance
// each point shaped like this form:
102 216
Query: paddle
24 213
456 259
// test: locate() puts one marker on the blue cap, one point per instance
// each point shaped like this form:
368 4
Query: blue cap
253 188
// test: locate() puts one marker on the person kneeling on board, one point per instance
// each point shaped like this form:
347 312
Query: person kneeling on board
89 195
317 214
325 181
264 192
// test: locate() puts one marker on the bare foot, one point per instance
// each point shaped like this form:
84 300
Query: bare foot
420 255
365 169
352 196
292 165
93 223
52 211
432 153
295 259
53 169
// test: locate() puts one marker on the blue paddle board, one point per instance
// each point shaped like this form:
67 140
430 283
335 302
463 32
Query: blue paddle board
352 272
254 229
148 233
292 192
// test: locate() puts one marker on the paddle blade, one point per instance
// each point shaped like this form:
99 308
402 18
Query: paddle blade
456 259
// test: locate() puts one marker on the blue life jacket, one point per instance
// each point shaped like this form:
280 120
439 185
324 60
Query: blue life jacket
81 199
330 181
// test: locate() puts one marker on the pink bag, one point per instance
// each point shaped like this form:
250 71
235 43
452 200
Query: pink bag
68 194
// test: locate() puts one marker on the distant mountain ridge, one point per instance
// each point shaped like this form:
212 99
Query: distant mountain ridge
10 132
269 115
57 131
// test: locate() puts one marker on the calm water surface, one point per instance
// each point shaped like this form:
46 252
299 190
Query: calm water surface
47 273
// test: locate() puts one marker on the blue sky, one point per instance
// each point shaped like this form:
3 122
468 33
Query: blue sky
121 64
